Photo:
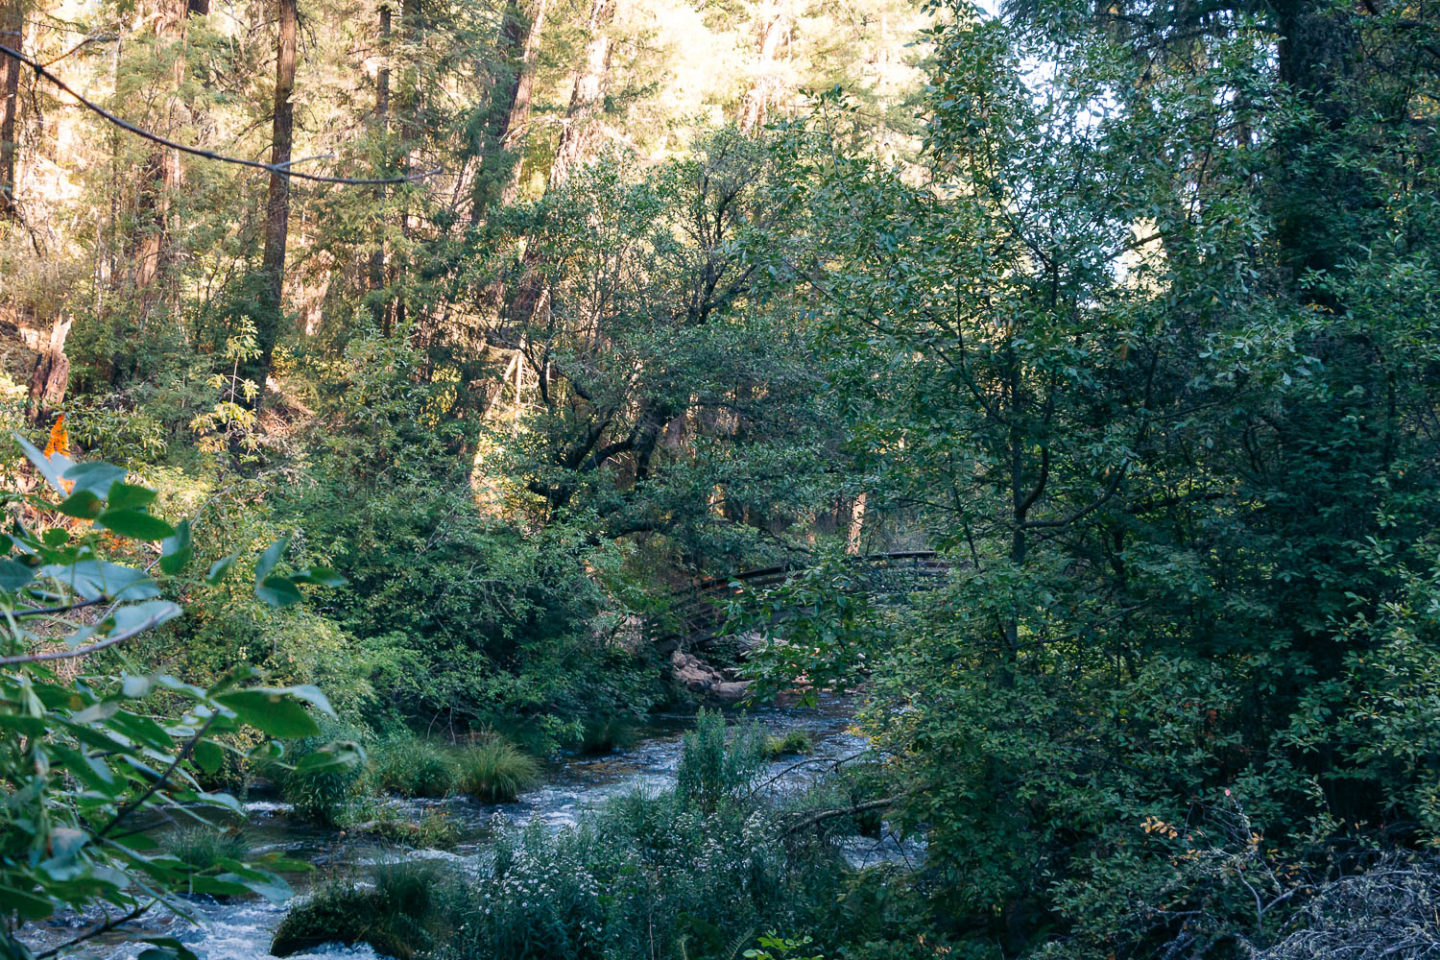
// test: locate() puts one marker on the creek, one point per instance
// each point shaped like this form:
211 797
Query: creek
242 929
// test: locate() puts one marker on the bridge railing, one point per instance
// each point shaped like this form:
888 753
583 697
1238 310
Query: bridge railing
697 613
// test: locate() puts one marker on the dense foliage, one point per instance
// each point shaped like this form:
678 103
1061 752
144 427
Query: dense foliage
1129 311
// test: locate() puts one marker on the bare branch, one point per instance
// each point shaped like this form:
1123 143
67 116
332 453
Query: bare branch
110 641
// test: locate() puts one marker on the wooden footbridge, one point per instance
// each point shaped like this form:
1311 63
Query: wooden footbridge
697 613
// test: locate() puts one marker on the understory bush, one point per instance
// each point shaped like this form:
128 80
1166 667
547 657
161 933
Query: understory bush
434 831
793 744
327 797
608 734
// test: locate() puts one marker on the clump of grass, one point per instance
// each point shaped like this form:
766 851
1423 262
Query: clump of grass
405 911
434 831
795 743
202 848
496 771
412 767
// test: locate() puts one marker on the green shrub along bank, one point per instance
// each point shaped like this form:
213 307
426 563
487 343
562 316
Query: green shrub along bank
793 744
201 848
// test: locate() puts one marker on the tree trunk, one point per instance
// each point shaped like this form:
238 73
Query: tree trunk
519 114
12 35
277 206
585 94
163 172
755 108
382 110
857 526
51 376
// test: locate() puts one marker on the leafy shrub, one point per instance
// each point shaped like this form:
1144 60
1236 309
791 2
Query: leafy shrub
89 757
712 768
412 767
694 872
328 796
496 771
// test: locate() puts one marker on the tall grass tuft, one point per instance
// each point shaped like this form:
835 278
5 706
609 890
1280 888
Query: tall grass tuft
496 771
412 767
201 848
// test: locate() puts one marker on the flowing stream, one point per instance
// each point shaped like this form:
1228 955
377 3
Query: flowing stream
242 929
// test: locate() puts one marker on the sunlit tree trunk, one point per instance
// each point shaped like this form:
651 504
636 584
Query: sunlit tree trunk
51 376
519 115
774 22
508 109
380 311
277 206
585 94
12 24
164 173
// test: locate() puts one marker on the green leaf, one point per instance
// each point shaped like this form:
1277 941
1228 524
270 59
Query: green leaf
51 468
95 477
26 904
220 568
14 575
209 755
266 884
135 687
81 504
93 579
269 558
55 537
129 496
176 550
323 576
332 758
167 948
278 591
272 711
312 695
135 524
136 616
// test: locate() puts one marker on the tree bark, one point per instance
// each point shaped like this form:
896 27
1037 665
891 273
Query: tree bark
51 375
382 110
277 206
164 172
853 537
12 35
519 114
585 95
755 108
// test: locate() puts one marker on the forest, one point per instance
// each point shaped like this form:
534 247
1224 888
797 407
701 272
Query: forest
719 479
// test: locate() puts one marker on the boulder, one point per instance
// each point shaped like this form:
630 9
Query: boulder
701 677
